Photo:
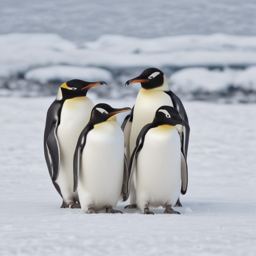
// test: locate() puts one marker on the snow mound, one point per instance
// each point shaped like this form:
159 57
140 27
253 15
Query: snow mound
247 79
215 42
22 52
191 80
65 73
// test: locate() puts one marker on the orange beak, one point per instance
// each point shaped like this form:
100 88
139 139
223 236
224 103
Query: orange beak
93 85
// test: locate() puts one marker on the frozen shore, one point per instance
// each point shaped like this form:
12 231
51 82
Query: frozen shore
218 216
31 64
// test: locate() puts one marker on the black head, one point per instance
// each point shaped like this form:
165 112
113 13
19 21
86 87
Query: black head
103 112
149 78
77 88
168 115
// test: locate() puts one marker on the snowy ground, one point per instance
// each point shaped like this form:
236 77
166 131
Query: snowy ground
218 216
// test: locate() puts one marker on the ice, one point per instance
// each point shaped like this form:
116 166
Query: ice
218 216
214 42
65 73
190 80
247 79
22 52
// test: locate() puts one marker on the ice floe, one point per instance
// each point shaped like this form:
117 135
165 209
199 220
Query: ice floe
65 73
205 80
43 58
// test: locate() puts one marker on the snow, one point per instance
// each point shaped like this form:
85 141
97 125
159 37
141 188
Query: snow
190 80
218 216
65 73
22 52
214 42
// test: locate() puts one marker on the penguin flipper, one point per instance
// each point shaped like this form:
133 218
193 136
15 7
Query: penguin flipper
125 191
51 144
52 153
177 104
126 127
78 152
136 151
184 175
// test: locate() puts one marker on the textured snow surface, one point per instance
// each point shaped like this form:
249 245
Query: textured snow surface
65 73
205 80
218 216
22 52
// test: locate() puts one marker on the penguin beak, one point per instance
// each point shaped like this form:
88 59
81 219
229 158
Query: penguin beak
116 111
136 80
93 84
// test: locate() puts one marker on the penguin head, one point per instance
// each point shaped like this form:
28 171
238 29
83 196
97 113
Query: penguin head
149 78
103 112
168 115
76 88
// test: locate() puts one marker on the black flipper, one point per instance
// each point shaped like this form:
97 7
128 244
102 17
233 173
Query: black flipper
78 152
126 127
139 145
184 134
125 192
177 104
51 145
184 175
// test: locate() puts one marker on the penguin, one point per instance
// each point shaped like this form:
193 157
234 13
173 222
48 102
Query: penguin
66 118
159 162
100 167
154 93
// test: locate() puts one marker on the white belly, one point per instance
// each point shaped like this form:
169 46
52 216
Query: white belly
158 177
75 115
147 102
101 172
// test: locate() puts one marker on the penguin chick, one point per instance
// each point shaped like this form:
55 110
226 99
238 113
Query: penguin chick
100 173
153 94
159 162
66 117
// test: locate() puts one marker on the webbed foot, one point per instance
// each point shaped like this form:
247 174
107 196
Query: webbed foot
64 205
75 206
111 210
147 211
170 210
90 210
131 206
178 203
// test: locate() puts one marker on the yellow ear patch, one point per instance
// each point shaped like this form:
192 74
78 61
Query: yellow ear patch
65 86
112 118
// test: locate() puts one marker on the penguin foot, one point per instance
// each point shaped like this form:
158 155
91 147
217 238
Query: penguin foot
111 210
90 210
75 206
170 210
64 205
147 211
131 206
178 203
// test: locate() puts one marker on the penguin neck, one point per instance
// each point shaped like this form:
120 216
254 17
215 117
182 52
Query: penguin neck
163 87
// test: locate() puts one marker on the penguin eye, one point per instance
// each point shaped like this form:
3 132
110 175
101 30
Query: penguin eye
165 112
153 75
72 88
102 111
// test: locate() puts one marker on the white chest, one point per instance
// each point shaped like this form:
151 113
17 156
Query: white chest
147 102
75 115
158 166
102 160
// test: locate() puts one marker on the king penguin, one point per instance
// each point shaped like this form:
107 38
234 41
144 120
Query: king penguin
153 94
100 170
66 118
159 162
